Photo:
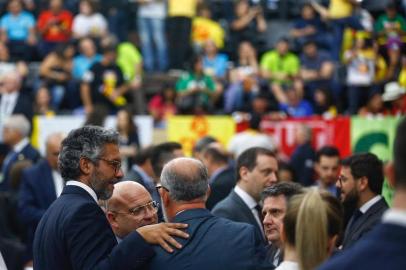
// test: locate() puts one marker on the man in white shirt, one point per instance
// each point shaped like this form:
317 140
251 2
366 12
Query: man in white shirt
360 182
256 169
130 207
41 184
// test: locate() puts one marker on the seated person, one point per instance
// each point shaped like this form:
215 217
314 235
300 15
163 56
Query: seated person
293 104
17 29
88 23
195 90
54 26
214 63
316 70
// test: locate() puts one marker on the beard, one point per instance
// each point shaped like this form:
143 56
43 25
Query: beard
100 186
350 205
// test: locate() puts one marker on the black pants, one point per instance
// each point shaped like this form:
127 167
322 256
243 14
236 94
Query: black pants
179 29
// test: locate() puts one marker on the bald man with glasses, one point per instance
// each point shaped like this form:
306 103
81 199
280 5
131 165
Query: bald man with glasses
130 207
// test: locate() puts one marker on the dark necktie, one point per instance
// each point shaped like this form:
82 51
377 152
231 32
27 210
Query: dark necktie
258 208
357 214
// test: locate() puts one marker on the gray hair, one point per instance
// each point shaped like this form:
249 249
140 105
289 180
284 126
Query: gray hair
185 178
18 122
88 142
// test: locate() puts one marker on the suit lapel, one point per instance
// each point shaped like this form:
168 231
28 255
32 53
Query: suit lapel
48 180
245 209
361 221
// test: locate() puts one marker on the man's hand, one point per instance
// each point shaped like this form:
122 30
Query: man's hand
161 234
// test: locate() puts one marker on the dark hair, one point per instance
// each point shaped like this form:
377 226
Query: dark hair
283 188
143 155
132 127
61 48
88 142
255 121
399 154
248 158
216 155
328 151
203 143
366 165
161 154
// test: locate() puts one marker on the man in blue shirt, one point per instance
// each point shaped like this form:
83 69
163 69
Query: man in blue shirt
17 28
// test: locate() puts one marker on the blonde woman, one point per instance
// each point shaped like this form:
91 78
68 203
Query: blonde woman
311 226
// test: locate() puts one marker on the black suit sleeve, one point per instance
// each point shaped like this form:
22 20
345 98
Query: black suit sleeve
90 241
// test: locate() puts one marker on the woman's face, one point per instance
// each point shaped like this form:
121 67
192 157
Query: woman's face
242 8
69 52
122 119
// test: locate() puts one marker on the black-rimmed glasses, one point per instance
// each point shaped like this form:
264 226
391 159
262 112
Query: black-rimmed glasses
113 163
142 210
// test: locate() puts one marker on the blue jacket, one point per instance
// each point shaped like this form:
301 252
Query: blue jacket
74 234
37 192
383 248
214 243
28 152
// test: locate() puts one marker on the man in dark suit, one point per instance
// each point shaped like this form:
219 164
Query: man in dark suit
74 232
256 169
215 243
274 204
16 129
360 181
12 100
384 247
40 185
222 175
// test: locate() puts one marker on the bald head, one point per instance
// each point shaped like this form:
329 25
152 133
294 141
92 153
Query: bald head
185 178
129 208
53 146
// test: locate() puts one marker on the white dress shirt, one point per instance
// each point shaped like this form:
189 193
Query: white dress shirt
288 265
85 187
395 216
7 104
365 207
2 263
58 182
251 203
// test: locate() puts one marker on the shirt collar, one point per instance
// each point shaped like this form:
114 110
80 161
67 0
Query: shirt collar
84 186
20 145
395 216
248 200
364 208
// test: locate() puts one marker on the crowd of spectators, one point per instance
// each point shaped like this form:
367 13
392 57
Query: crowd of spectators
333 59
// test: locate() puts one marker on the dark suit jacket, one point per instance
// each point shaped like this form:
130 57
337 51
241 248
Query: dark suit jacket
234 208
24 106
28 152
37 192
383 248
74 234
302 162
220 186
214 243
364 224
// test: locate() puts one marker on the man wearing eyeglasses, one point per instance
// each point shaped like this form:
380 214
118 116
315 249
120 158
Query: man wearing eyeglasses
360 182
74 232
129 208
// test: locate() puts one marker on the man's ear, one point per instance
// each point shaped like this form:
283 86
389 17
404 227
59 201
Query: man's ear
363 183
243 173
111 217
208 192
390 174
85 166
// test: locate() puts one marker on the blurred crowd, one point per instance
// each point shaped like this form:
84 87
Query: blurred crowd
203 57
